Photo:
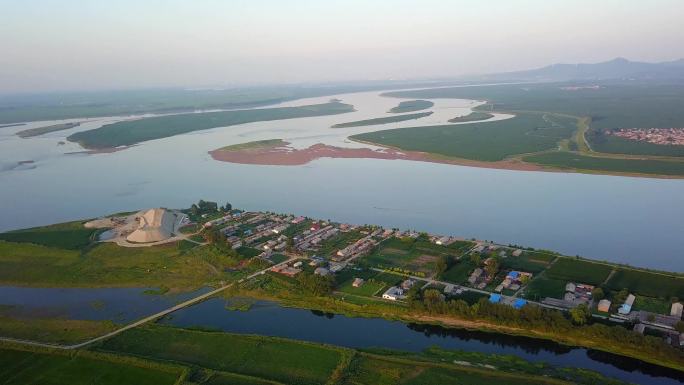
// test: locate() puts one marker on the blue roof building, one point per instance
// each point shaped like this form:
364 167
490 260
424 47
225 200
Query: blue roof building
495 298
514 274
519 303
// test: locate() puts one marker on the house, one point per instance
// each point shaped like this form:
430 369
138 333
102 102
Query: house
475 275
393 293
298 220
519 303
407 284
297 264
604 305
676 309
495 298
322 271
626 307
358 282
517 253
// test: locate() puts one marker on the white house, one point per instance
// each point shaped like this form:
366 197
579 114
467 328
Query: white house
393 293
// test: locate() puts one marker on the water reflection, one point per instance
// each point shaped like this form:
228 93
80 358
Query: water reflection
271 319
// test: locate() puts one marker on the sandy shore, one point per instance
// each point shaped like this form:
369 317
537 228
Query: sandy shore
283 155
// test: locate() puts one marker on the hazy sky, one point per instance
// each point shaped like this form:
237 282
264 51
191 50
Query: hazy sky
91 44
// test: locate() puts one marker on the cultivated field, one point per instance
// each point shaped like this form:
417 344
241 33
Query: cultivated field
484 141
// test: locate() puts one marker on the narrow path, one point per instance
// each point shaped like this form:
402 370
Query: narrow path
145 320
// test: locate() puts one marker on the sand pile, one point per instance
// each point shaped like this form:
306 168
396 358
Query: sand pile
154 225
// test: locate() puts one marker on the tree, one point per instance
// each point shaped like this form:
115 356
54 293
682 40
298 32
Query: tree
597 294
228 207
433 300
475 259
317 285
413 296
441 266
580 315
679 326
290 245
492 268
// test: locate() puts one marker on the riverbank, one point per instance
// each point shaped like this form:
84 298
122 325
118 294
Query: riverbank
277 152
293 297
281 154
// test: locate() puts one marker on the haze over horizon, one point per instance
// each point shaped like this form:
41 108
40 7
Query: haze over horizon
69 45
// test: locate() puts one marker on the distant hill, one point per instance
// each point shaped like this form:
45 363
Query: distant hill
619 68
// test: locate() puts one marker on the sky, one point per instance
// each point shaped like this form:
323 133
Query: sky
48 45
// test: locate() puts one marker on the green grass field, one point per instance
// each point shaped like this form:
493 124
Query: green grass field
616 104
647 283
31 132
411 105
31 368
415 255
270 358
136 131
383 120
339 241
574 161
223 378
471 117
378 370
579 271
652 304
484 141
69 235
531 262
106 265
52 330
366 290
254 145
542 287
459 272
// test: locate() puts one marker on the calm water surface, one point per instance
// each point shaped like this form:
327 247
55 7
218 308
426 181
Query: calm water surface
122 305
267 318
629 220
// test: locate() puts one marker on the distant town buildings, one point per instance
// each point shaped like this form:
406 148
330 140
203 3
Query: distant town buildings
663 136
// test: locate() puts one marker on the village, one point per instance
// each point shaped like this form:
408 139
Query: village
663 136
371 263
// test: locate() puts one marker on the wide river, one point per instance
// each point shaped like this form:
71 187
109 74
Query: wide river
630 220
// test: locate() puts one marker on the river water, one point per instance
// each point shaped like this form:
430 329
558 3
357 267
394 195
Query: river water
622 219
271 319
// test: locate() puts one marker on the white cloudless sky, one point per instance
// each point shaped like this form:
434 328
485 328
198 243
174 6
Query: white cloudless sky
48 45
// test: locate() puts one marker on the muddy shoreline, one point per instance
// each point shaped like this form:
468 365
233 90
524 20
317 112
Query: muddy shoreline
284 155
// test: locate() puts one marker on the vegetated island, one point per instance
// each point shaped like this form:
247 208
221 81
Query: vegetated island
383 120
471 117
411 105
578 129
31 132
354 270
277 152
135 131
12 125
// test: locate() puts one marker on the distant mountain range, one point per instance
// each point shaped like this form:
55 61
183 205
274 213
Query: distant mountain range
618 68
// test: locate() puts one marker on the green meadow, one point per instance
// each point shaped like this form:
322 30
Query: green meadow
484 141
411 105
575 161
383 120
